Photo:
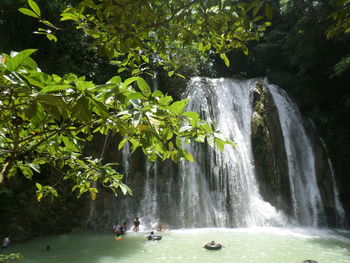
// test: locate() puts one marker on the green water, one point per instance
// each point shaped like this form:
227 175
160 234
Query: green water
258 245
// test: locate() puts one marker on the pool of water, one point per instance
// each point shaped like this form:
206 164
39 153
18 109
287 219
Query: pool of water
258 245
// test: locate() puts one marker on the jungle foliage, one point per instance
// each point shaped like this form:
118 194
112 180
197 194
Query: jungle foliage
46 118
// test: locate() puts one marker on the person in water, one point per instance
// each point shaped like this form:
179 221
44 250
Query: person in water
6 241
160 228
151 236
137 223
117 229
212 244
123 229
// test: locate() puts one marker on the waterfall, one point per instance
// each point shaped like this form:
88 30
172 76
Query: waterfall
126 161
149 201
340 213
306 199
221 188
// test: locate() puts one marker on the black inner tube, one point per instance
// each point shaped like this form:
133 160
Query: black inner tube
154 238
212 247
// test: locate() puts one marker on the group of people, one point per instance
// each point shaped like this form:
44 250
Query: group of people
120 229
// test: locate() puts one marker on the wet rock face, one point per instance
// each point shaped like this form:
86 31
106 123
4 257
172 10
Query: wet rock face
268 149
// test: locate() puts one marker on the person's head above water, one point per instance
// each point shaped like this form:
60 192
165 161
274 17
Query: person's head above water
212 242
152 232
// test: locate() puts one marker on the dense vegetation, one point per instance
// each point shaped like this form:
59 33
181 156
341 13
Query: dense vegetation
305 51
47 119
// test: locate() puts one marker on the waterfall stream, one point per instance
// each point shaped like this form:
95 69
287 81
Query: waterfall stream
221 189
306 199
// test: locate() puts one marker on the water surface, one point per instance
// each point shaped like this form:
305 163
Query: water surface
258 245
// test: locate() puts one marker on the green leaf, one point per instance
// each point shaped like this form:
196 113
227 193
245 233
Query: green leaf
268 11
211 140
13 64
70 145
178 106
181 76
35 167
185 128
125 189
28 12
27 172
136 95
100 108
146 59
115 80
220 144
38 115
225 59
51 37
166 100
143 86
187 156
157 93
257 8
69 16
191 114
135 72
35 7
39 186
122 143
128 81
81 110
52 88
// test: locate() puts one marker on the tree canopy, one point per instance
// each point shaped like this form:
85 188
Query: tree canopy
46 119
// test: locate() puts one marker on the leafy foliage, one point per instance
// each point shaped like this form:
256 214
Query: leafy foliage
10 257
45 119
136 33
340 17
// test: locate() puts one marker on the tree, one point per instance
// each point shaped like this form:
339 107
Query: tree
46 119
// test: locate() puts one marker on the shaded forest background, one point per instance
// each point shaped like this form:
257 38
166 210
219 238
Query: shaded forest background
294 53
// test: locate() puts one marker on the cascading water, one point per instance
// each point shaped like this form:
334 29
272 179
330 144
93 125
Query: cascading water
126 161
340 213
149 202
306 199
220 189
